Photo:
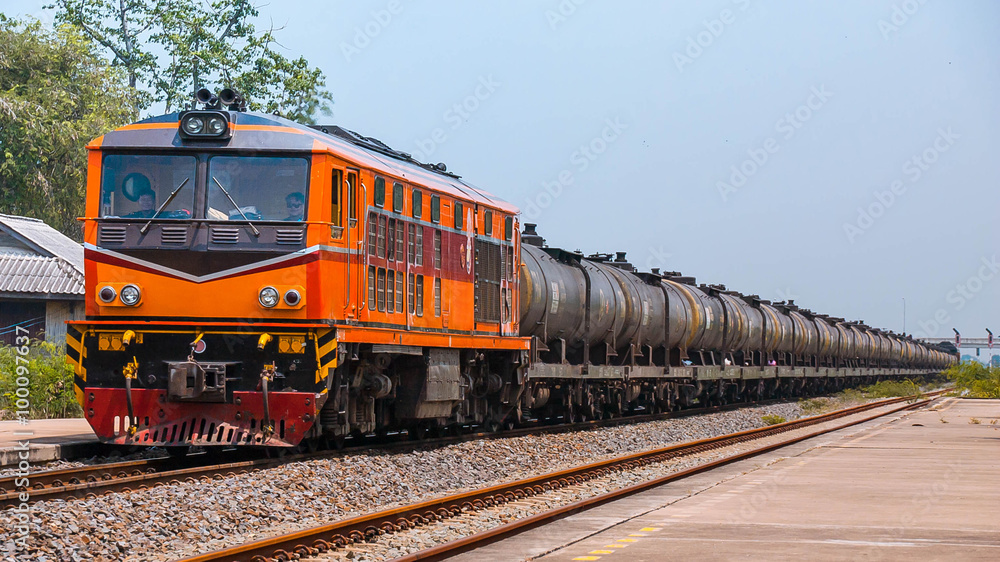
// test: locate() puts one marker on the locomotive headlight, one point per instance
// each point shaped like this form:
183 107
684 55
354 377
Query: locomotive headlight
292 297
216 126
107 293
194 124
130 295
205 125
268 297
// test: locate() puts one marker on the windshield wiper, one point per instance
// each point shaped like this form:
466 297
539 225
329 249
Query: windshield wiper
252 227
162 206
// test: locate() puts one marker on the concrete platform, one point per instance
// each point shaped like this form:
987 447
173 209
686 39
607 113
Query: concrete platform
922 485
47 440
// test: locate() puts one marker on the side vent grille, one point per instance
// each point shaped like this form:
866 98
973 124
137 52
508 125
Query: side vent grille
288 236
221 235
173 235
111 234
489 273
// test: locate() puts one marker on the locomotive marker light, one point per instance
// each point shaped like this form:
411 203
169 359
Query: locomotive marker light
108 294
292 297
130 295
268 297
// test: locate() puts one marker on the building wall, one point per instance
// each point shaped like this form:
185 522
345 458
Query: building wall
56 315
29 314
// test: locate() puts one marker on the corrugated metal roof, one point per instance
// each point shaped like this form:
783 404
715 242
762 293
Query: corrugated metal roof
45 238
39 275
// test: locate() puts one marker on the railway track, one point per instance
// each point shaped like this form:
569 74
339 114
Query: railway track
315 541
92 480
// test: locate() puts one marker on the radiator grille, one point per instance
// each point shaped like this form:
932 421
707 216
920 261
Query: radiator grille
489 271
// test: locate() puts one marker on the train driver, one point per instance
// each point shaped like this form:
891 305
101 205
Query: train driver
147 205
296 203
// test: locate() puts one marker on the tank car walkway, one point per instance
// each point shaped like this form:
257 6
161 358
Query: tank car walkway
924 485
47 440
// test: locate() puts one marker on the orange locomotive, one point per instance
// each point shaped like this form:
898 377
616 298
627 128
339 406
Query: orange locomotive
251 280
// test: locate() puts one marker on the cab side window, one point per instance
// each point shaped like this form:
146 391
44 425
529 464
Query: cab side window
335 198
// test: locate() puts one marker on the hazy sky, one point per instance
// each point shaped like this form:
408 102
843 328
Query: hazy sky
833 152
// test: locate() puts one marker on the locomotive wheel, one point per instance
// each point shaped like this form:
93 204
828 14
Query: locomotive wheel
337 442
493 426
417 432
308 445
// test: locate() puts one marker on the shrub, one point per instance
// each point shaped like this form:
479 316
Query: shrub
891 389
772 419
974 380
50 382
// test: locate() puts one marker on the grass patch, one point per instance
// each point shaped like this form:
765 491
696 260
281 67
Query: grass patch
772 419
974 380
813 406
891 389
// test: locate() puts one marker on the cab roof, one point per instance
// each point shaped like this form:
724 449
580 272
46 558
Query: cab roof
258 131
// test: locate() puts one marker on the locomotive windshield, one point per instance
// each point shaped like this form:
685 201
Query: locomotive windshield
258 188
136 186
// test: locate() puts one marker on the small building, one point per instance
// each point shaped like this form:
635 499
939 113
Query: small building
41 280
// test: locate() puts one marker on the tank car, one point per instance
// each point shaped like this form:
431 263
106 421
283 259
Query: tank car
608 340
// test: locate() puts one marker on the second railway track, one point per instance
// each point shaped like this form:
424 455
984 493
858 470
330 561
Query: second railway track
312 542
91 480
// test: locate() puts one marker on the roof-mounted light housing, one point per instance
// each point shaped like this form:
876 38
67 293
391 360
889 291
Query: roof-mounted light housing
205 125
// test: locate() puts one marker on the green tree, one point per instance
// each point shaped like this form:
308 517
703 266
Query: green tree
56 93
175 47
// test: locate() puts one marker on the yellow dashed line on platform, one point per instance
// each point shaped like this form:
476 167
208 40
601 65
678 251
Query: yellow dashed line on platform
637 535
649 529
601 552
626 540
615 545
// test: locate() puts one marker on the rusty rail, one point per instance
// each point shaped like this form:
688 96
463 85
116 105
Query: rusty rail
311 542
92 480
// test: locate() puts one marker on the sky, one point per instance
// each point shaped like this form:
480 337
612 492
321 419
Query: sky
835 153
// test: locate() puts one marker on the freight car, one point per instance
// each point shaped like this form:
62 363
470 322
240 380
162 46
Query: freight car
607 339
253 281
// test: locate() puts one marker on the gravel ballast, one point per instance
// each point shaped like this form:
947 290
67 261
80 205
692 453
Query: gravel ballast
189 518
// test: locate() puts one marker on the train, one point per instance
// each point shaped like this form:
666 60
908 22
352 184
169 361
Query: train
252 281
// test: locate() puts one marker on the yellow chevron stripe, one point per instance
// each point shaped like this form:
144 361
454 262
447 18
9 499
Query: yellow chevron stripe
323 369
78 369
81 351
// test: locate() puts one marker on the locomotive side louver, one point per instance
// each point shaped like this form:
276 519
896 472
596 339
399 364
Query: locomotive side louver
111 235
289 236
221 235
173 235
